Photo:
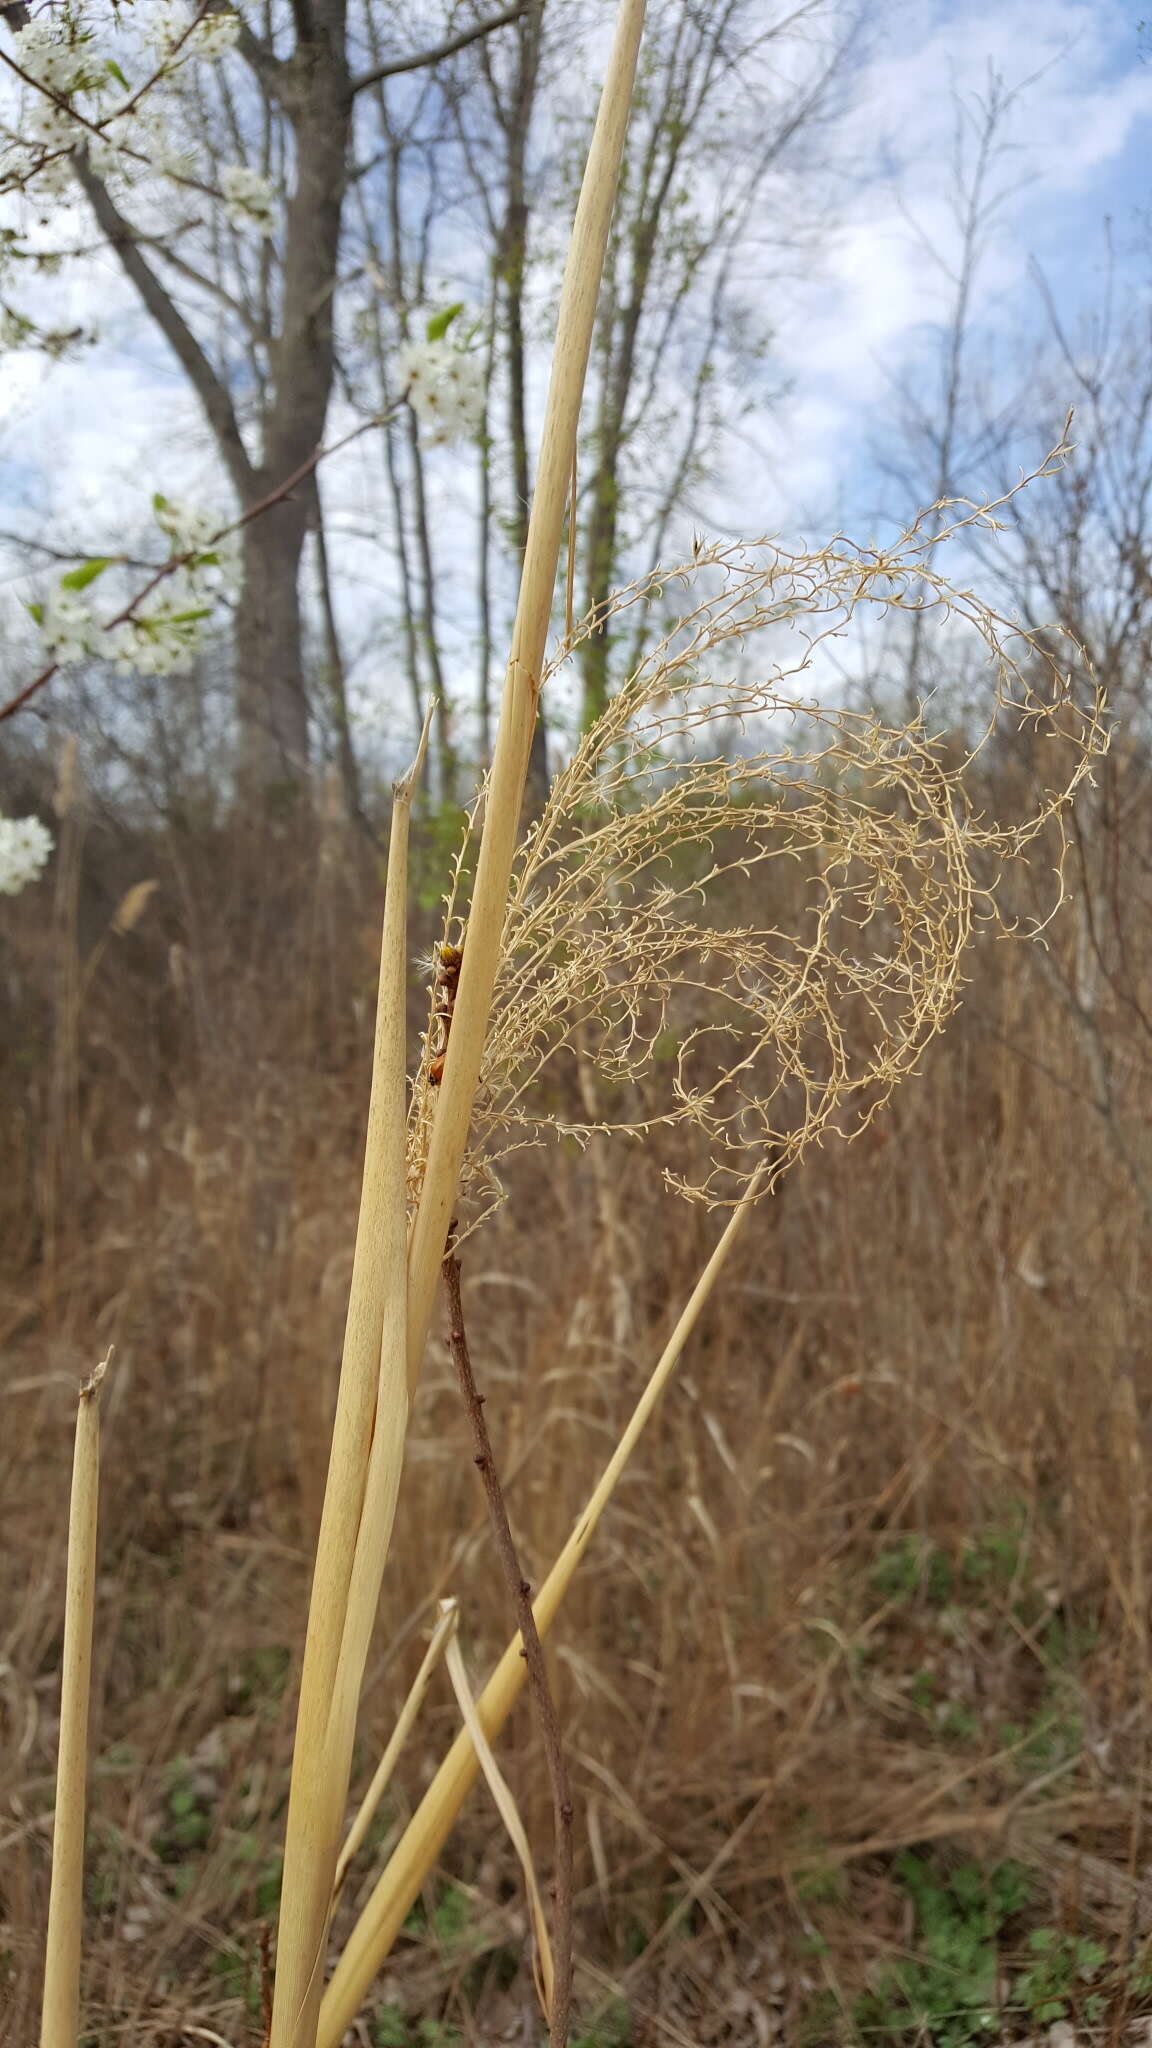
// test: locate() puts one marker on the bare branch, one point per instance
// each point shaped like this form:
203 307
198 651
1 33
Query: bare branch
71 555
212 393
448 48
532 1652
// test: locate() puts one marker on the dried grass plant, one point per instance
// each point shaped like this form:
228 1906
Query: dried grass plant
765 1038
758 1036
630 941
60 2020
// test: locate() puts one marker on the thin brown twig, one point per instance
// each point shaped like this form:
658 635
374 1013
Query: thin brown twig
532 1651
418 60
169 568
265 1982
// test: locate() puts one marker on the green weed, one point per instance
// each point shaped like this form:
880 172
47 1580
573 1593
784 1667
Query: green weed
1063 1967
949 1992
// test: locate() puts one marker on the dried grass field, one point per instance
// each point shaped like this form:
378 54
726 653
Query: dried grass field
855 1680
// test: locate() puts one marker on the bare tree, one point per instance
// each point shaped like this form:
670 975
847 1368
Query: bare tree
452 164
302 98
712 123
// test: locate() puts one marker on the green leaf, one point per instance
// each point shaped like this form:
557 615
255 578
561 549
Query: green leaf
79 579
35 612
439 324
114 71
159 502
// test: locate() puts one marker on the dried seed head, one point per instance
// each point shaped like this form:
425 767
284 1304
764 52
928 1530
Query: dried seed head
748 912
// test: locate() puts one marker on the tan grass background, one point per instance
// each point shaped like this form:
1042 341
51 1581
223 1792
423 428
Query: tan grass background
878 1576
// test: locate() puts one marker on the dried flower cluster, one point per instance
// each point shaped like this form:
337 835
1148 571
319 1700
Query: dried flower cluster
652 932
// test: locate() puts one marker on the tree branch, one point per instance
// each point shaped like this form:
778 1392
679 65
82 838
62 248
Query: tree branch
212 393
208 285
159 575
532 1653
70 555
448 48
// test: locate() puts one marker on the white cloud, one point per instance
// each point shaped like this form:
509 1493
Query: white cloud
90 441
1081 98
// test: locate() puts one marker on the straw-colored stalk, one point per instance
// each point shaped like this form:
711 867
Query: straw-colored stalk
344 1569
60 2020
405 1722
505 797
421 1843
544 1968
360 1496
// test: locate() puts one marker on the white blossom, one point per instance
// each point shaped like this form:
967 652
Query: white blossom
444 386
175 40
156 134
249 199
197 530
189 527
69 627
165 639
54 178
62 66
213 36
25 845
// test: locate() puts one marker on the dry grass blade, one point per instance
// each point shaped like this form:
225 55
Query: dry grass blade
544 1969
132 906
360 1498
525 675
60 2023
405 1721
427 1831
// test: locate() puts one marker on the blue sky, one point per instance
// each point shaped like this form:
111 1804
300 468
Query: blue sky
1079 150
83 445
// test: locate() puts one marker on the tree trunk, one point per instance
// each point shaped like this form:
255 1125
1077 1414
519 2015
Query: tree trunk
271 700
336 681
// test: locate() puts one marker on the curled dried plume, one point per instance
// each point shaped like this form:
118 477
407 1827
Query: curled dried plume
648 935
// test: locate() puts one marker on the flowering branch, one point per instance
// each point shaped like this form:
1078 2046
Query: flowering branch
50 69
190 558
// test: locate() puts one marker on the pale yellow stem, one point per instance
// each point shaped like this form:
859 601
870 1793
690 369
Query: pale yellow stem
519 705
60 2019
427 1831
360 1496
405 1722
544 1968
